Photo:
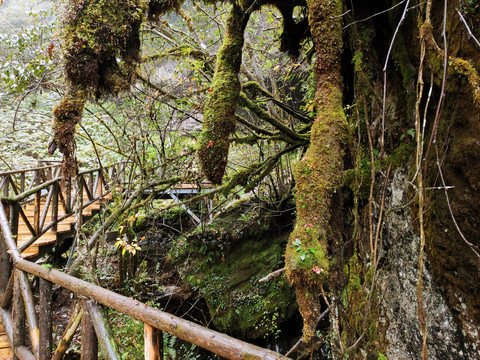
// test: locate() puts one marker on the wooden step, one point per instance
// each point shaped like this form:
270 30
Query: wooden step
29 213
6 354
4 343
49 237
61 227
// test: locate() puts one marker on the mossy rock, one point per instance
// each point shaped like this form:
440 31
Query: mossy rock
225 262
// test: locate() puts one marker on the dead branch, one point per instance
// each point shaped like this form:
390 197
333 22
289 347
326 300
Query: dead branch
272 275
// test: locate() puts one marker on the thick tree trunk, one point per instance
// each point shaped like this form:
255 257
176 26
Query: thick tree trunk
219 111
319 174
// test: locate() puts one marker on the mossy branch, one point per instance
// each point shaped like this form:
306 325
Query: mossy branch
291 135
254 87
219 110
319 174
253 127
181 51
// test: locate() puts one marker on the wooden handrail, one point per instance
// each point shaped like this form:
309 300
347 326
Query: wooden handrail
14 172
33 190
216 342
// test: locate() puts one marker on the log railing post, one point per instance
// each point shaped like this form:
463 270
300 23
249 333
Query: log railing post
89 338
79 197
68 196
4 185
36 212
45 319
22 182
30 313
153 339
90 184
18 316
55 191
4 266
104 335
14 213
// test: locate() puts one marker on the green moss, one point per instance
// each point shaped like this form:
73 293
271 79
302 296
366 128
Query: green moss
219 110
97 33
226 260
361 308
66 116
465 68
359 178
320 173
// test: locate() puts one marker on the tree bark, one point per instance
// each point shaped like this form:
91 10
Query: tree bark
89 338
45 319
319 174
153 339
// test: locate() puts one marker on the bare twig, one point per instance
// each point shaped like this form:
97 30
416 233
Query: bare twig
450 207
470 34
297 344
382 140
272 275
374 15
433 137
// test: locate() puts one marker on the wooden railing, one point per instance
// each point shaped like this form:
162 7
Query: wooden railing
18 306
49 192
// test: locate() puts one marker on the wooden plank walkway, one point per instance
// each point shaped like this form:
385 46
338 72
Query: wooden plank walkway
65 228
5 350
35 216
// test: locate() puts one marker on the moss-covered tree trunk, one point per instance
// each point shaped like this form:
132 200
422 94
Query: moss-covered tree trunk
219 111
319 174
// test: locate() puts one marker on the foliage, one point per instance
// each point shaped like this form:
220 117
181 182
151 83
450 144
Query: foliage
128 334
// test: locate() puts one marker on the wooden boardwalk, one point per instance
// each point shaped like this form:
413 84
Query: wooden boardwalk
5 350
41 206
38 209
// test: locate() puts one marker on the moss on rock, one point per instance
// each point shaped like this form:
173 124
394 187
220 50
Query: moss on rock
225 262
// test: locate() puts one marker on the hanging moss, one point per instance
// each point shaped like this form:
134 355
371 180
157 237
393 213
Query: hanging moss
219 111
319 174
157 8
101 51
97 34
66 117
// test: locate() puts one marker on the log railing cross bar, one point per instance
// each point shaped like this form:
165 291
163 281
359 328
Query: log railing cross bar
216 342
